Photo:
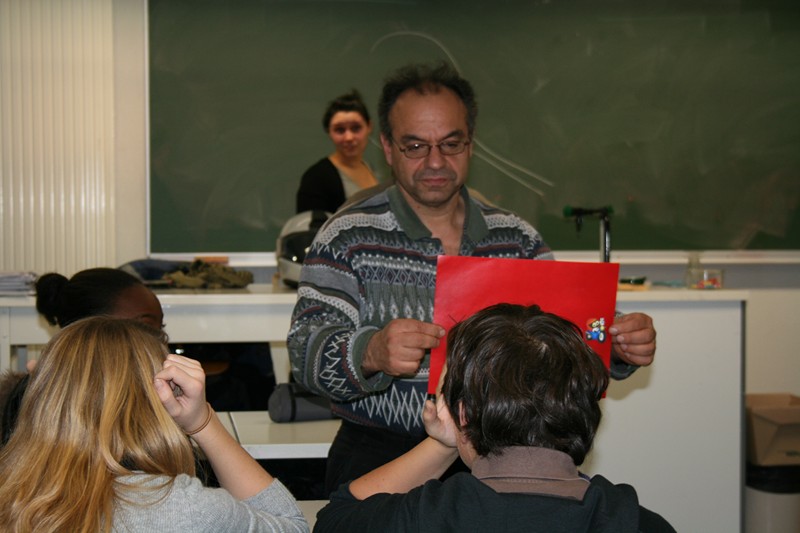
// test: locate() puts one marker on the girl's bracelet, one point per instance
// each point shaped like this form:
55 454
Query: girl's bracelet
204 424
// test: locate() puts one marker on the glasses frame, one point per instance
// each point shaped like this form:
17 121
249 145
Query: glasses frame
430 147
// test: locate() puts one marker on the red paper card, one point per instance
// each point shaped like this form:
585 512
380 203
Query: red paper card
585 293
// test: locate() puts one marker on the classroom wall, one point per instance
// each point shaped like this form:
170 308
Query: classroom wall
56 148
772 359
130 132
773 363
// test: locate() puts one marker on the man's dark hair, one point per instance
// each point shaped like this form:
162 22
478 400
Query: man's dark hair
425 79
347 102
523 377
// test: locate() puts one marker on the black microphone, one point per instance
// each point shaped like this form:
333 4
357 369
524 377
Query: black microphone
570 211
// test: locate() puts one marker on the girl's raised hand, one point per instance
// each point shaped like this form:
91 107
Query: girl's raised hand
181 387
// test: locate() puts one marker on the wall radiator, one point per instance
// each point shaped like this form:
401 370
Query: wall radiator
56 135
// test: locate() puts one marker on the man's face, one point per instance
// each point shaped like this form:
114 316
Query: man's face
431 182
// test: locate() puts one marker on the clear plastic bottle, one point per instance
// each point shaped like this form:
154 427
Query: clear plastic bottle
694 270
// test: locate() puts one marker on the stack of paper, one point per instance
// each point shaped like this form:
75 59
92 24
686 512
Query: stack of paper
16 283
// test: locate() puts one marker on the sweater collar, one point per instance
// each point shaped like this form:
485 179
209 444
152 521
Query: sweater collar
475 227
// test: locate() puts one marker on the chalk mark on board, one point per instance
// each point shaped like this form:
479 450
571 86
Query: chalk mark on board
482 151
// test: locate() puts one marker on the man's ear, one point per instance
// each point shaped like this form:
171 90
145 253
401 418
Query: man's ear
386 144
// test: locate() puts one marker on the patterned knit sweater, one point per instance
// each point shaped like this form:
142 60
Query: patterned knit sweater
373 262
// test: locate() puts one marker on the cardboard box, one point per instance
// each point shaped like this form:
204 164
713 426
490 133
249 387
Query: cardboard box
773 429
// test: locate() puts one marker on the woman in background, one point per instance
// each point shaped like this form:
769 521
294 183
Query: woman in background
62 301
330 181
101 444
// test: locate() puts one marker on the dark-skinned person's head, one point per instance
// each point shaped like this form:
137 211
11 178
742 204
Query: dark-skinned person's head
96 292
62 301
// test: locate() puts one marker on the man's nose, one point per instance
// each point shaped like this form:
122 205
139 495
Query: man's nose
435 159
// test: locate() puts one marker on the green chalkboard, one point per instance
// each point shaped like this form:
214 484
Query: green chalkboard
685 119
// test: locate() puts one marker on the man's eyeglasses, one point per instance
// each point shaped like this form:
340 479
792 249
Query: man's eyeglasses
421 150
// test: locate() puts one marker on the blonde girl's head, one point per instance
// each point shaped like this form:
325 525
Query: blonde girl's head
89 415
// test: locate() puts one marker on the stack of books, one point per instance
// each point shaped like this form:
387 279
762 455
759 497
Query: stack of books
17 283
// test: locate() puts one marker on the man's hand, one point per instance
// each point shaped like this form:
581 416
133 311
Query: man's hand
634 339
399 347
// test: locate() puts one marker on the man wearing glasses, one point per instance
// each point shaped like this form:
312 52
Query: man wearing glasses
363 327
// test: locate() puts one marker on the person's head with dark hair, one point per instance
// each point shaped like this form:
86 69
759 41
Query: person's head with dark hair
427 119
93 292
518 402
425 79
329 182
347 123
348 102
518 376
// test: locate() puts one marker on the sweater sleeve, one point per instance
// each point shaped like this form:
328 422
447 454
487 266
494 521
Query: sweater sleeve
277 510
327 340
380 512
189 506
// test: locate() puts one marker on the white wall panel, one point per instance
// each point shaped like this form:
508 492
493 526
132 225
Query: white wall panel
56 135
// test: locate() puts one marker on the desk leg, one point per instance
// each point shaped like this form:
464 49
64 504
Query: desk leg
5 339
280 361
21 353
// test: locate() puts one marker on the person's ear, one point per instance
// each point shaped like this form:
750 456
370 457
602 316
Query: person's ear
462 421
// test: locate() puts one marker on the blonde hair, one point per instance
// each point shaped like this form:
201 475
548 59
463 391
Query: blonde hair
90 415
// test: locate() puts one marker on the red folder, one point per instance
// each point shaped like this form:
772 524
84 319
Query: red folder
584 293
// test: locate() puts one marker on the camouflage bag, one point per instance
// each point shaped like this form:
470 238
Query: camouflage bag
202 275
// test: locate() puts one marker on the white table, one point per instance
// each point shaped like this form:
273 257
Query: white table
265 439
225 419
674 430
258 313
310 508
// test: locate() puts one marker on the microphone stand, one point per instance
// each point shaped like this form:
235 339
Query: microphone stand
605 236
604 213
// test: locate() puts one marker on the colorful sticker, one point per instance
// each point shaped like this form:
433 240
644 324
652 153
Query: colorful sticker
596 329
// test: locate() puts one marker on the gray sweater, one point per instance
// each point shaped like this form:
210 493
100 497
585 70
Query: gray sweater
191 507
